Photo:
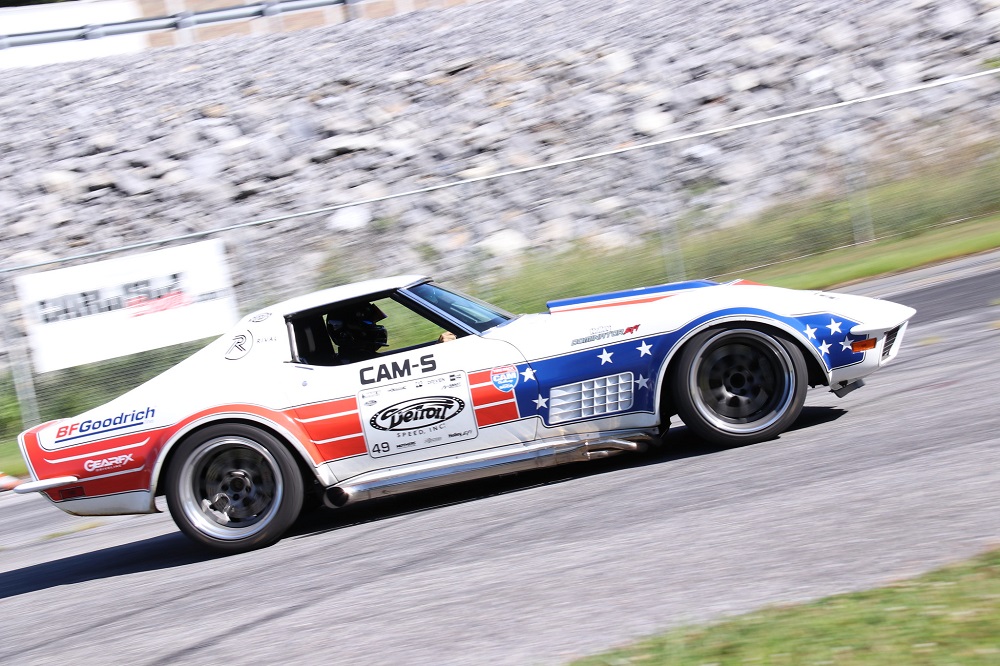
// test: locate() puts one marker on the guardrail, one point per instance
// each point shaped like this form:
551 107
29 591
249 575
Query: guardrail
175 22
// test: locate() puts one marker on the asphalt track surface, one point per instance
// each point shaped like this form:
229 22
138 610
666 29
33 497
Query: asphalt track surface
891 481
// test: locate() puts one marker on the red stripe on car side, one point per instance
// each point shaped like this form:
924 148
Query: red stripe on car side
326 408
488 394
337 426
613 304
342 448
497 413
480 377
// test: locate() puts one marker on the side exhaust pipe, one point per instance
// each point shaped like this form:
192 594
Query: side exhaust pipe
432 474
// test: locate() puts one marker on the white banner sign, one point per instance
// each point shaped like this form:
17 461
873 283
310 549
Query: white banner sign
122 306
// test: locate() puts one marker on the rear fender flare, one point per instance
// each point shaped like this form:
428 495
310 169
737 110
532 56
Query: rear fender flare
295 441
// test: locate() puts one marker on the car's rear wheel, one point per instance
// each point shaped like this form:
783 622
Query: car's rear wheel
234 487
737 386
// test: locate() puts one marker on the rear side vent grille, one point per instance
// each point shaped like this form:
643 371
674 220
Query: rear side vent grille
591 398
890 340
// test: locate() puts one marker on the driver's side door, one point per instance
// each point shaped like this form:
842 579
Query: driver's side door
419 399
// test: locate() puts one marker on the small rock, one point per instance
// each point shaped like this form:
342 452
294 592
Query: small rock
181 143
702 152
453 67
30 257
505 243
740 170
65 183
617 63
174 177
763 43
609 205
613 239
214 110
131 185
953 17
99 180
701 91
205 164
743 81
102 141
991 19
839 36
559 230
487 169
652 121
236 146
569 57
329 148
399 78
849 90
354 218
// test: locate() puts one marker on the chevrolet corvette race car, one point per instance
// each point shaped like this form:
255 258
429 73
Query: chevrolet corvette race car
398 384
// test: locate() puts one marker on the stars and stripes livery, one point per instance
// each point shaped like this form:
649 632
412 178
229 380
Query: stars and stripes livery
593 376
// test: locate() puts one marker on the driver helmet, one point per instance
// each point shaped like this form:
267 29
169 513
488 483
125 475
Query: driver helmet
356 330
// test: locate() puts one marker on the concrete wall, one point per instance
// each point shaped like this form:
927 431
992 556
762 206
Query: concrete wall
101 12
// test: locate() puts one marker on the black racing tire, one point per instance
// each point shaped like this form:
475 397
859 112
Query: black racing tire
739 385
233 487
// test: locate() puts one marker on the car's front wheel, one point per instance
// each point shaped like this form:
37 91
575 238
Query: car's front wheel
234 487
736 386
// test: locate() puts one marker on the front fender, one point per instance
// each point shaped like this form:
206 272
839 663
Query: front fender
787 325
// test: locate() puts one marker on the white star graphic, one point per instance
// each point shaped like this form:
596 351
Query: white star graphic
605 356
824 348
528 374
541 402
846 345
643 382
834 326
810 332
644 349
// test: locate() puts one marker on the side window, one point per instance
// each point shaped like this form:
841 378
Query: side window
359 331
405 327
312 341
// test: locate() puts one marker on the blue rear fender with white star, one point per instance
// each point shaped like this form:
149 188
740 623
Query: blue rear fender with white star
626 377
609 360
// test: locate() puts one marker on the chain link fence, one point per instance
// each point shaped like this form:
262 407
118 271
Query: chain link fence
713 203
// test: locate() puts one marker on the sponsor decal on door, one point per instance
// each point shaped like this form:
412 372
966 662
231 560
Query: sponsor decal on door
418 414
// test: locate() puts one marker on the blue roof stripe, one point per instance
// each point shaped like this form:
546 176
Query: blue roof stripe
641 291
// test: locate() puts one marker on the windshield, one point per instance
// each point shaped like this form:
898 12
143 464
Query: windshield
472 312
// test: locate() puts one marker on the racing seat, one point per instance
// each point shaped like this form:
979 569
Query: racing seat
313 343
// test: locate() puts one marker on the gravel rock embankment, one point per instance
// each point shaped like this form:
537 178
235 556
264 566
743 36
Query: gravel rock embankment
108 152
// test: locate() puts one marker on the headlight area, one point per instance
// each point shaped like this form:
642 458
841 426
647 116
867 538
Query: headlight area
891 342
863 345
884 341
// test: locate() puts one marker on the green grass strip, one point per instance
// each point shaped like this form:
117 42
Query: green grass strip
893 255
11 461
950 616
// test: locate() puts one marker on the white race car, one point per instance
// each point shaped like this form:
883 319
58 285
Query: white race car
398 384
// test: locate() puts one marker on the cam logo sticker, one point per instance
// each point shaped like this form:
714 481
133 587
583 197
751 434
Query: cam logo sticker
504 378
240 346
417 414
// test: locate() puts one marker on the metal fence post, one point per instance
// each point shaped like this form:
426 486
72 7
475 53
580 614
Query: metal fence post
20 364
670 239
